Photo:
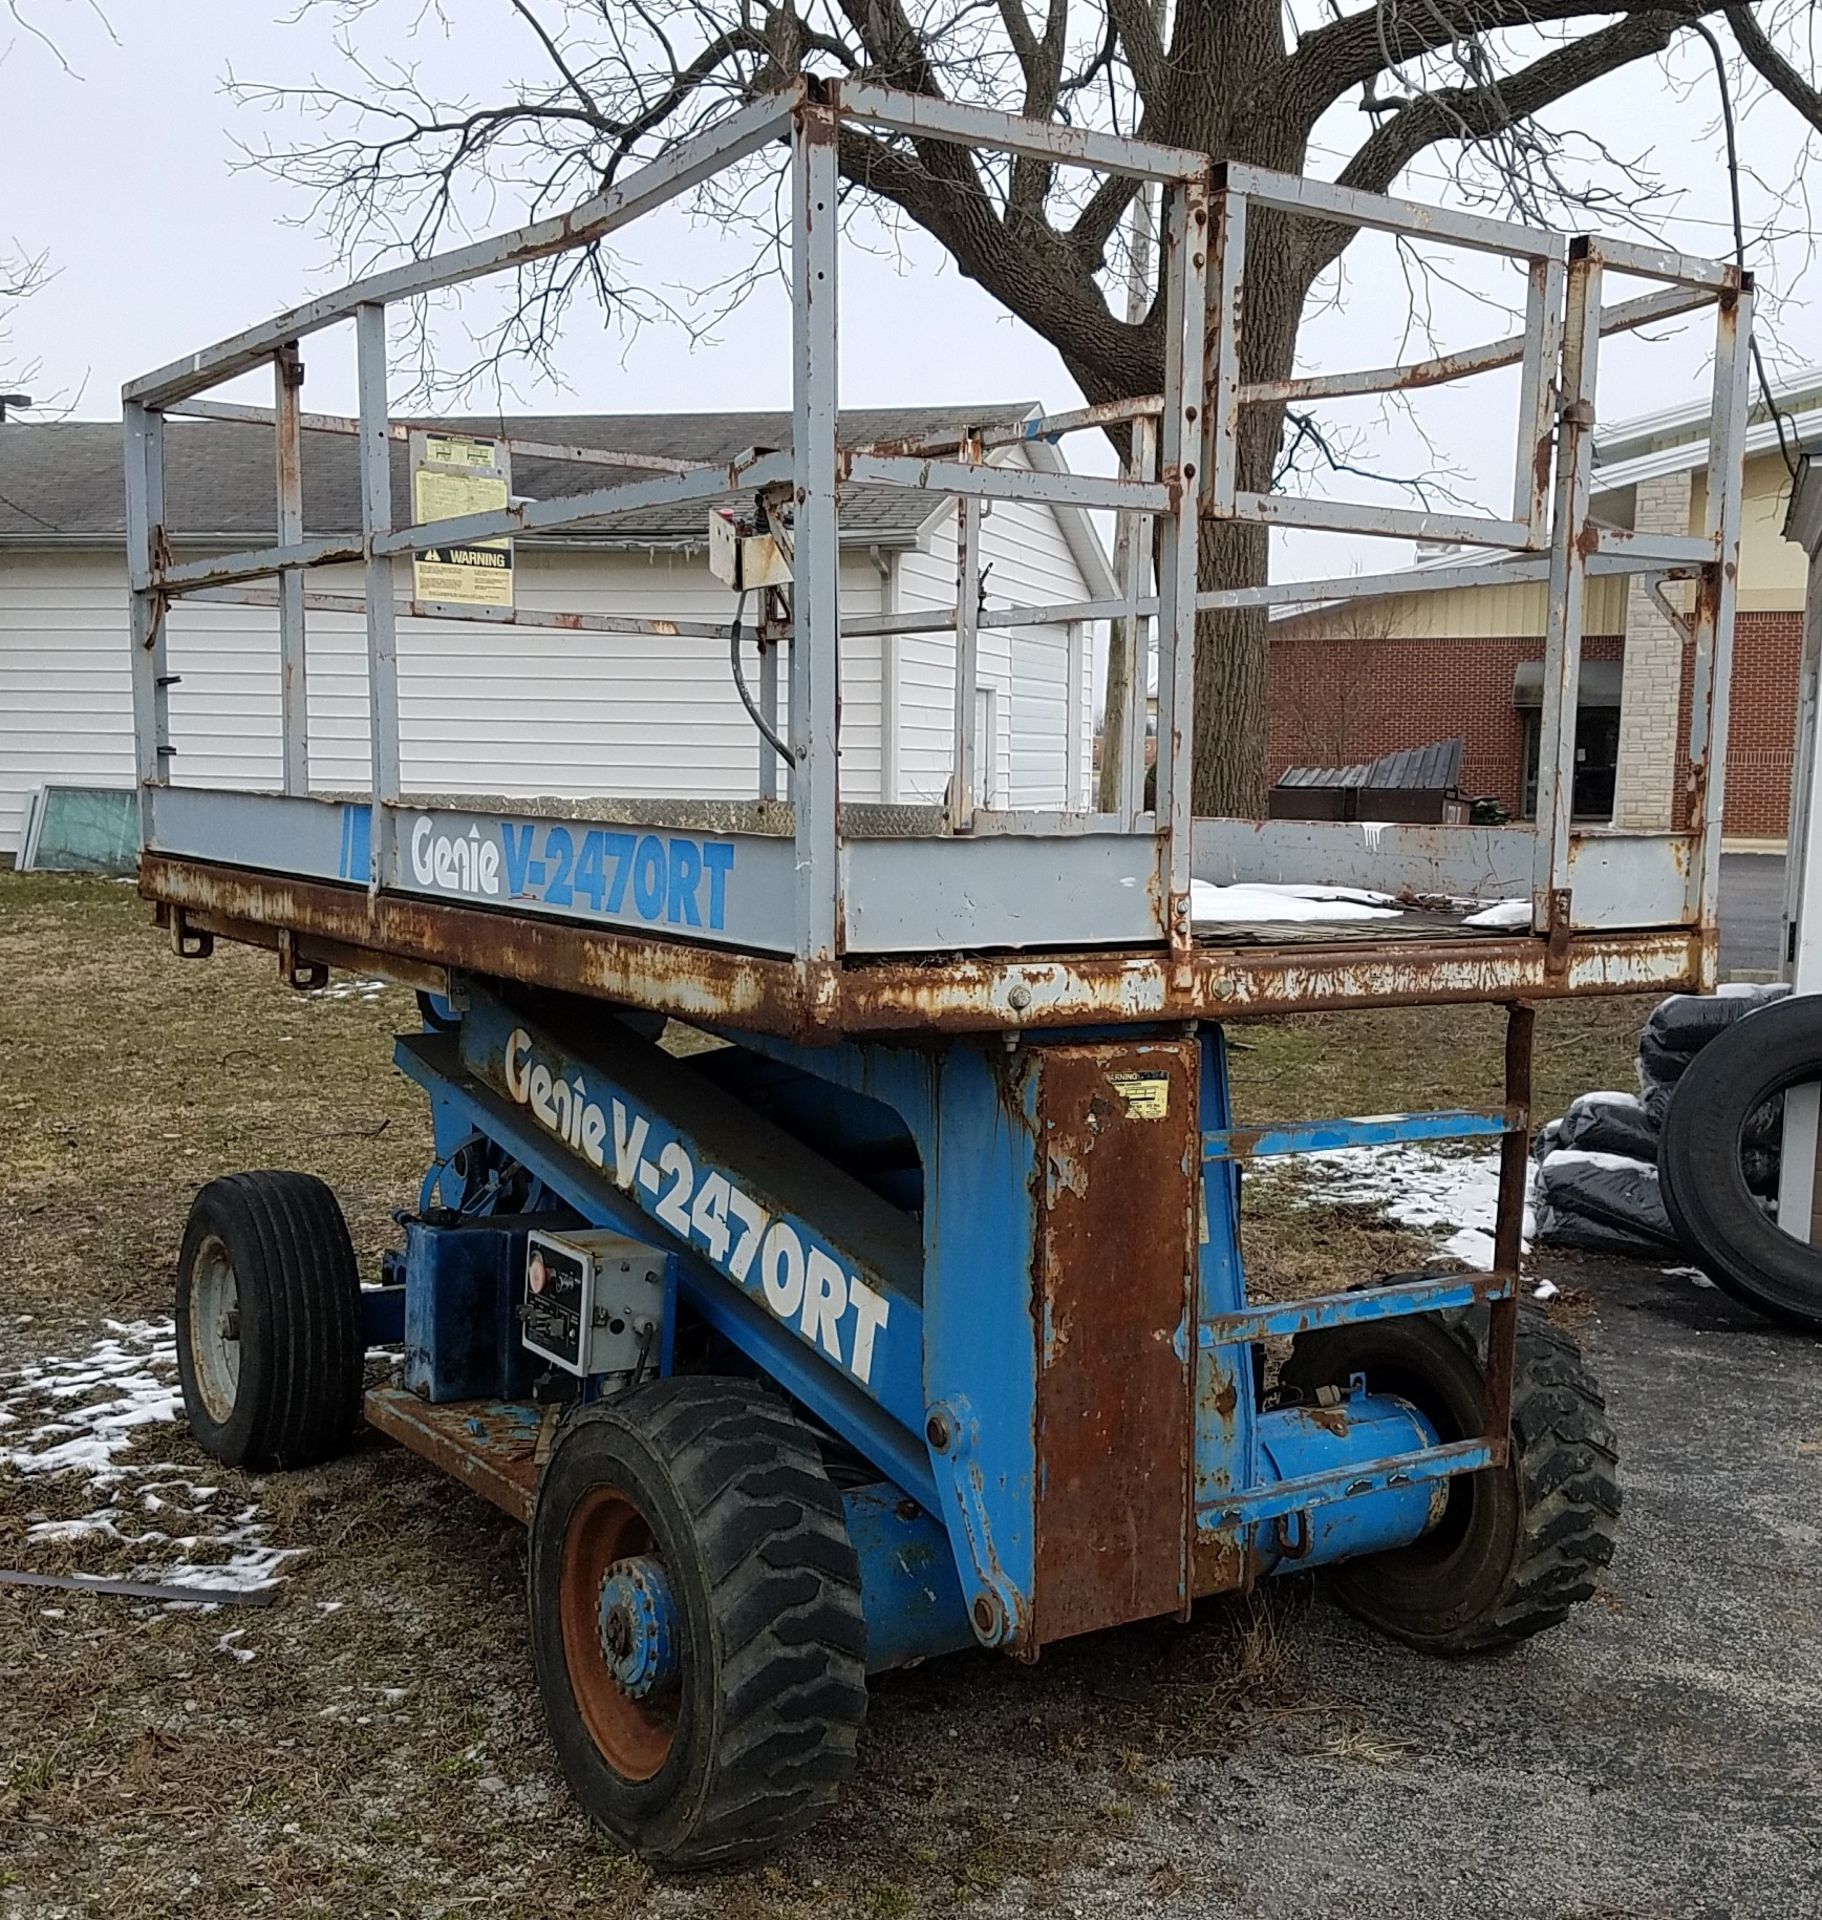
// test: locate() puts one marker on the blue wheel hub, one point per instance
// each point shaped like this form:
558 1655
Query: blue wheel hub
638 1625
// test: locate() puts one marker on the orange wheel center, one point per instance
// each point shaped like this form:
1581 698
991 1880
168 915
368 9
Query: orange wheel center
623 1675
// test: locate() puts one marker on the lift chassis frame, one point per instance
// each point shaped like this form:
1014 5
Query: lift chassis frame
1051 1364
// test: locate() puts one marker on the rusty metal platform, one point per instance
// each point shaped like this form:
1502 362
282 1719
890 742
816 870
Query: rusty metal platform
817 903
1351 964
491 1446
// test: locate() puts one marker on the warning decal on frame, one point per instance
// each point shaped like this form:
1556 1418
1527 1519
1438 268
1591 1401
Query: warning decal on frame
1146 1095
452 474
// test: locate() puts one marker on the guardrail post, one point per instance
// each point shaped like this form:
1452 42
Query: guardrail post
816 558
1538 394
1509 1228
1568 586
1221 455
1135 635
962 760
1712 626
288 452
768 650
1180 439
146 608
382 619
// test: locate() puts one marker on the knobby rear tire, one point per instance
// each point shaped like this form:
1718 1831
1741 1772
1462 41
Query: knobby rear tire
1517 1546
732 1491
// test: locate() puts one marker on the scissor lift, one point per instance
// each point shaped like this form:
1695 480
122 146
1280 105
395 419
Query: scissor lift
912 1314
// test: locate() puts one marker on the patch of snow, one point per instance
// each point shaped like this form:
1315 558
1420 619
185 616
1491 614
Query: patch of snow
365 990
1503 913
1694 1275
103 1523
97 1401
79 1414
1261 900
1417 1187
229 1644
1545 1289
1564 1157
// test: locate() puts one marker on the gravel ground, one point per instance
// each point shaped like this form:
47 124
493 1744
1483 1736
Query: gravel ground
1656 1756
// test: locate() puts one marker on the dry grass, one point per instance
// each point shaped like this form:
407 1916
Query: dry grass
382 1751
130 1078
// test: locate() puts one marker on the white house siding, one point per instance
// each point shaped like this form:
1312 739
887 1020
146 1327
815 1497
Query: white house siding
66 708
1036 764
487 708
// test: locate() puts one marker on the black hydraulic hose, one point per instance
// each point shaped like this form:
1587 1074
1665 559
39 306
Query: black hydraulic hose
746 696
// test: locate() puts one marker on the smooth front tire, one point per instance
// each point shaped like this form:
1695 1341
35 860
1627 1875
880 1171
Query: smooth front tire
696 1620
269 1345
1516 1546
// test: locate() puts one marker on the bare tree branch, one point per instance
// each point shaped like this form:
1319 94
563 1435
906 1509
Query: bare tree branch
1481 112
396 166
1773 67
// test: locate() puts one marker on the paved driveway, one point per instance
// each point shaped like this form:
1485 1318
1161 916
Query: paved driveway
1752 908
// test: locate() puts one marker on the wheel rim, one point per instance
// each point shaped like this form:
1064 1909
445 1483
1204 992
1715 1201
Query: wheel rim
622 1667
215 1329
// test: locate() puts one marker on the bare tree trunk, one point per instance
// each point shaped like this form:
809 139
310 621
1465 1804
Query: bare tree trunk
1119 693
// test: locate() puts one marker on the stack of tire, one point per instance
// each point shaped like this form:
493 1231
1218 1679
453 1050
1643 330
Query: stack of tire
1722 1134
1687 1169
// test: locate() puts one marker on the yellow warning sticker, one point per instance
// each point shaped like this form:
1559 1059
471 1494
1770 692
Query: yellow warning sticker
1147 1095
456 450
460 476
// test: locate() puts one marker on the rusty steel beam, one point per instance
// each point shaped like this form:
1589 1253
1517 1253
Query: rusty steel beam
988 994
233 413
1624 316
684 167
694 983
1508 1229
1048 426
489 1448
922 116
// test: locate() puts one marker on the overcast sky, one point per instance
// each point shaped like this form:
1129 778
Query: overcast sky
124 170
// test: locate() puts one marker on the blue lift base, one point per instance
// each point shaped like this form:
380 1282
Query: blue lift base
1007 1281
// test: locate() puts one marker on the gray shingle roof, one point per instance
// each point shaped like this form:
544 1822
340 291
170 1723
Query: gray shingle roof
1432 769
64 477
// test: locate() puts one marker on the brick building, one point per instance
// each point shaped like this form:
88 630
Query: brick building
1354 680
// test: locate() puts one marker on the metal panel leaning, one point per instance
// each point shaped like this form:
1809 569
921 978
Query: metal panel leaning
916 1309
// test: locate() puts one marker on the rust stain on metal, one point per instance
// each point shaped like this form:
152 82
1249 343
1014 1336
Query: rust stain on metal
1331 1419
744 989
491 1448
897 996
1114 1256
1561 930
1542 461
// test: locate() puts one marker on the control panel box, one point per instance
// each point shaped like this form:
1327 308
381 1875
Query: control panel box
593 1303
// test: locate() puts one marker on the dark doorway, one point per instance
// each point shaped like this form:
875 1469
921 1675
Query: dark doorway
1597 753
